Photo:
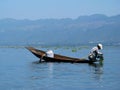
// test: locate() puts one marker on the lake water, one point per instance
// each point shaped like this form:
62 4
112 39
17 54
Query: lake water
19 70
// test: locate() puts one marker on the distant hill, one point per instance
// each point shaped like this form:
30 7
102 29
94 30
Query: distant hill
83 30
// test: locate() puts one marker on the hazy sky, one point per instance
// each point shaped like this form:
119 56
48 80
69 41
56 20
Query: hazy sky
37 9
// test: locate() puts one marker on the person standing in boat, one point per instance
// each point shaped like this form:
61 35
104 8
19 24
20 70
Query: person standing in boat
95 53
48 53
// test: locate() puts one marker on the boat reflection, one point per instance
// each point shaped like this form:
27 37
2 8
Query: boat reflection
97 70
50 70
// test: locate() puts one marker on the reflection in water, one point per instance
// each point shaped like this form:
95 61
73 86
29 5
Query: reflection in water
41 70
50 71
97 70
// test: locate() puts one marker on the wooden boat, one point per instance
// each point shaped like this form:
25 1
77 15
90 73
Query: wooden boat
57 58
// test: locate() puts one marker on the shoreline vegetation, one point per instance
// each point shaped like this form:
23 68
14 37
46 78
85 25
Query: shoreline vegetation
75 47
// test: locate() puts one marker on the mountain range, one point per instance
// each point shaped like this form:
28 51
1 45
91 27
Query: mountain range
91 29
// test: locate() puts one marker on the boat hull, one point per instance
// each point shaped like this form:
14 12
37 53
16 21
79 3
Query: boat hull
57 57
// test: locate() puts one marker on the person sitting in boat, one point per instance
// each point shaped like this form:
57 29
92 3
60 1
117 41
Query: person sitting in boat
95 53
48 53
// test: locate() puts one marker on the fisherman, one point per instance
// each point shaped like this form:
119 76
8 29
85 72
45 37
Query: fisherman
48 53
95 53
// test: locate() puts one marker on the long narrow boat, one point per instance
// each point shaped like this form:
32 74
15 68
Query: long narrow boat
57 58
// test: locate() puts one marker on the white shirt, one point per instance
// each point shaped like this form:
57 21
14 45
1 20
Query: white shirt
50 53
95 49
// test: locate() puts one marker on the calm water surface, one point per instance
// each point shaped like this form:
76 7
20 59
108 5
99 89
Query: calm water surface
19 70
